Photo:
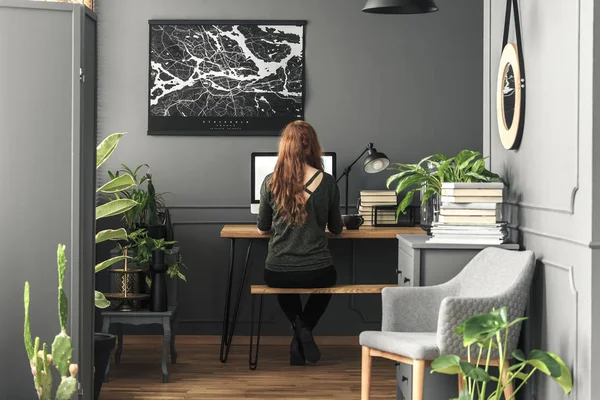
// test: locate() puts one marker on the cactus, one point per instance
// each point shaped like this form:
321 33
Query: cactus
62 348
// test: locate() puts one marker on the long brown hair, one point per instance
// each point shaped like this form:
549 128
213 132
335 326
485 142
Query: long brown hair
298 146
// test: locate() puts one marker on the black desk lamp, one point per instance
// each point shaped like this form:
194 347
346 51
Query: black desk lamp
374 163
400 6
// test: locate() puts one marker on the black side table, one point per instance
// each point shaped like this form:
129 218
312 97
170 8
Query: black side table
167 319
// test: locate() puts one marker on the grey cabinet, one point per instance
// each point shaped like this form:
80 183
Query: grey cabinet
425 264
48 131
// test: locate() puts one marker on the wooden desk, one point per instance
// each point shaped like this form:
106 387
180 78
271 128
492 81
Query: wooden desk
249 231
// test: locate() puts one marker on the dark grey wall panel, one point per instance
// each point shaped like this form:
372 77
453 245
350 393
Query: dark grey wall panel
410 84
35 113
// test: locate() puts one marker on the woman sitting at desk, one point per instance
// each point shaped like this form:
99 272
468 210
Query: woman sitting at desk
297 202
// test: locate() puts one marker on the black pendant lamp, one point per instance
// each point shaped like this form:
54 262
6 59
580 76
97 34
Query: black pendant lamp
399 6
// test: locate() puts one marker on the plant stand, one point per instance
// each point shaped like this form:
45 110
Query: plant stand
167 319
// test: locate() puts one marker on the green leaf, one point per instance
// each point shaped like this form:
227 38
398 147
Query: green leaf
446 364
501 314
26 325
565 380
106 148
114 207
105 264
480 327
409 181
111 234
181 276
477 374
148 282
477 176
117 184
518 354
406 201
466 163
544 362
100 301
395 177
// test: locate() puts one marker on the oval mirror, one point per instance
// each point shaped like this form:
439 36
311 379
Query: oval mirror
510 98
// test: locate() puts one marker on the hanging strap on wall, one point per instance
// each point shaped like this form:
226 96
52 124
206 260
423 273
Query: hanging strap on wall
514 4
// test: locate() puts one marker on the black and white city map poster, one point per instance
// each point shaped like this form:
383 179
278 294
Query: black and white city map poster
225 77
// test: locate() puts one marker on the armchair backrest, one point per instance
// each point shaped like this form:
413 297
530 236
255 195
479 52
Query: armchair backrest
495 271
494 278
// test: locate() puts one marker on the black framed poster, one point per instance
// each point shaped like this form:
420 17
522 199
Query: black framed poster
215 78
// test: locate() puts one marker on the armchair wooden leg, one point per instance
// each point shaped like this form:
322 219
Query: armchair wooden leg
418 379
508 390
367 360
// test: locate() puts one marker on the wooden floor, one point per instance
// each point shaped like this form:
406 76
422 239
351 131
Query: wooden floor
198 373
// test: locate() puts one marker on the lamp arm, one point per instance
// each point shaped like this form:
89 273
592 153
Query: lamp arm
349 167
347 171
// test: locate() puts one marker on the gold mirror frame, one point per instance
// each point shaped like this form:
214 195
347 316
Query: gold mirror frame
510 136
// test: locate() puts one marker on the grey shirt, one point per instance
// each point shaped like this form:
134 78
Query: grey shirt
302 248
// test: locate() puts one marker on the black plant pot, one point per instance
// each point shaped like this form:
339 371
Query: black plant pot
157 231
158 289
103 345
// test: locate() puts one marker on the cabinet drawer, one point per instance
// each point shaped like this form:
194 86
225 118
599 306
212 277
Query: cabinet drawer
405 268
404 381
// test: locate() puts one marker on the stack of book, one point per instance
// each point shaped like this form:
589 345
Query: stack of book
468 214
372 198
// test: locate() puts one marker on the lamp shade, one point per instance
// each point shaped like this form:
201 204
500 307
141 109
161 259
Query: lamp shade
375 162
400 6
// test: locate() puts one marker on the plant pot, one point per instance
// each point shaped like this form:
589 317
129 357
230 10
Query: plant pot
158 290
157 231
103 345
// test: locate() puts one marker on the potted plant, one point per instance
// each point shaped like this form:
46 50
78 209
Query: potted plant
487 333
150 213
104 343
59 356
427 176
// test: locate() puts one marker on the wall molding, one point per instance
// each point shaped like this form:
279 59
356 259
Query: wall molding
571 271
488 110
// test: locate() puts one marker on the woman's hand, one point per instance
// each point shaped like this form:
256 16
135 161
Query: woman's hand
264 232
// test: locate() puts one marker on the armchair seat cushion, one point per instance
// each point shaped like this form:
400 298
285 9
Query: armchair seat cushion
415 345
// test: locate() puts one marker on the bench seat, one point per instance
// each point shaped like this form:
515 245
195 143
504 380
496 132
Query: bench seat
337 289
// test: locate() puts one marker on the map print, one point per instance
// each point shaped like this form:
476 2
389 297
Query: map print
225 77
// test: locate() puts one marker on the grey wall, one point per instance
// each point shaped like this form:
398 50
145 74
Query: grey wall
550 204
45 163
410 84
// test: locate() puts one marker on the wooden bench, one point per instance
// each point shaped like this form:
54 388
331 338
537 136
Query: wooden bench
262 290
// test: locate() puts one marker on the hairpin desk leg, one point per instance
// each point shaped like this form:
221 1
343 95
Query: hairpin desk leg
225 326
253 356
229 327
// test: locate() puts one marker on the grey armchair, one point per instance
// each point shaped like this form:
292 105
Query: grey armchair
419 323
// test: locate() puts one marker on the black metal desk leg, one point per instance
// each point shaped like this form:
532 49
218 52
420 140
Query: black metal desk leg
225 327
239 298
253 357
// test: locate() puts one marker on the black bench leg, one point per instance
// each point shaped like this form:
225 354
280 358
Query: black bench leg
253 356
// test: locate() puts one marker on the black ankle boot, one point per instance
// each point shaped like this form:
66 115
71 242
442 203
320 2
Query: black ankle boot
296 353
304 335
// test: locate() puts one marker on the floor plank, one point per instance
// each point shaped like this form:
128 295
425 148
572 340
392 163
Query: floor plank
198 374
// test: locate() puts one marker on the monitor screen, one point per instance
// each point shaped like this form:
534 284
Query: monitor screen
262 164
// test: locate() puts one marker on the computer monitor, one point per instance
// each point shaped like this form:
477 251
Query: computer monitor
263 163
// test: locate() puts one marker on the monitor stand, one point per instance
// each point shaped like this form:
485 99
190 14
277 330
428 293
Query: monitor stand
254 208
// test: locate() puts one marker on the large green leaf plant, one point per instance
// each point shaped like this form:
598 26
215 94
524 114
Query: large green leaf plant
427 175
488 332
115 206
